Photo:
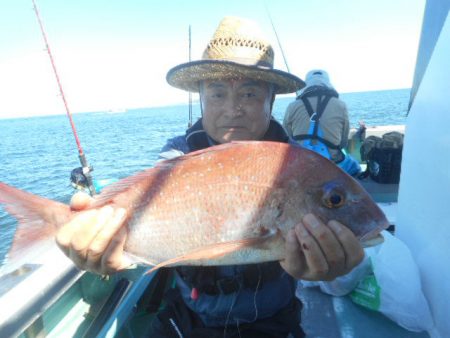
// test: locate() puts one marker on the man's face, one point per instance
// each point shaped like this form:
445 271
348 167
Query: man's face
235 109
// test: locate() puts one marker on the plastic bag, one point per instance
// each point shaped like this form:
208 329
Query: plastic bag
345 284
394 288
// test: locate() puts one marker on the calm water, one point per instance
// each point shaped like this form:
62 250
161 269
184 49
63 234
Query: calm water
38 154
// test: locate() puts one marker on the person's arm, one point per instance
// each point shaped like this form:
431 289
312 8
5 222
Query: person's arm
321 252
174 147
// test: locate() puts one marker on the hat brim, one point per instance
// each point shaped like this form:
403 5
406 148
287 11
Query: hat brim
187 76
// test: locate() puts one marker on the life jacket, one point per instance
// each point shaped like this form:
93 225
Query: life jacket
314 139
216 285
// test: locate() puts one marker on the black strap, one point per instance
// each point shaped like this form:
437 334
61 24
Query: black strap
322 103
309 108
323 94
253 277
205 279
302 137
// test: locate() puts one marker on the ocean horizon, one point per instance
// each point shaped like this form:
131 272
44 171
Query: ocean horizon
280 100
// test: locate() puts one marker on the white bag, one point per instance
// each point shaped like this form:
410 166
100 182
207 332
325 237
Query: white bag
345 284
394 288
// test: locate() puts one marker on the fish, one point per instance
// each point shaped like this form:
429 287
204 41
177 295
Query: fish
232 203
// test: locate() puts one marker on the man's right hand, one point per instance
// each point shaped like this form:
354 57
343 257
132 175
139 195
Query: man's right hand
94 239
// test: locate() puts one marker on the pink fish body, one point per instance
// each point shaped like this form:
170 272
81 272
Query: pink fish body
229 204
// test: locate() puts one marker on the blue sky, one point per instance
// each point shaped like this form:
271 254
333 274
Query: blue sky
115 54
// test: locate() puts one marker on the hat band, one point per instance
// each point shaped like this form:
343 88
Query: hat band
244 61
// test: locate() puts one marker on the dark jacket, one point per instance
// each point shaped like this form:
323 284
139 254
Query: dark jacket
228 295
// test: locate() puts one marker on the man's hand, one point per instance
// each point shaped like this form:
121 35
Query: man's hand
315 251
94 239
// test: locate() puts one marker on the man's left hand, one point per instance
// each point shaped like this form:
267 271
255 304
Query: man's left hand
315 251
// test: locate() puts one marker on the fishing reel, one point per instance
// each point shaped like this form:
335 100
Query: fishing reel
79 179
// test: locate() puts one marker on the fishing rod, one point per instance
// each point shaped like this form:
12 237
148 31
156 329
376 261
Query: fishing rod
190 94
278 39
84 163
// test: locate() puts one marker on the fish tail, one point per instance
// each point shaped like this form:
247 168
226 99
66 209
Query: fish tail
38 218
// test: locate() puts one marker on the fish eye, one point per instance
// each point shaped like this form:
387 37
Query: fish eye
333 198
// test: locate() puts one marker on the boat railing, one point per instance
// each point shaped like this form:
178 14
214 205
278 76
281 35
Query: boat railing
29 291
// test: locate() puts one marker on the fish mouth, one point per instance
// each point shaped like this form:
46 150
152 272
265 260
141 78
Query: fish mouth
372 241
374 237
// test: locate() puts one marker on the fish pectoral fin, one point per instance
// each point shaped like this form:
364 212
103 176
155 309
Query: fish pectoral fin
212 251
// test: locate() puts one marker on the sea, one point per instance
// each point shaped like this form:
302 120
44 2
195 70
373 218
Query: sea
37 154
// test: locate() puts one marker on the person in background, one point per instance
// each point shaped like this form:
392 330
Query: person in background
237 85
318 120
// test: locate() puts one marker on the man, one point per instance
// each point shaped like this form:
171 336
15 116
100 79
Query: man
237 86
318 120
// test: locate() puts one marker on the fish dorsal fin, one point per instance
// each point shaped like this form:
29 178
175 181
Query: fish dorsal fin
208 150
121 186
217 250
161 168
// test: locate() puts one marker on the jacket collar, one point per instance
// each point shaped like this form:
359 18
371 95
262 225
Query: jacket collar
197 138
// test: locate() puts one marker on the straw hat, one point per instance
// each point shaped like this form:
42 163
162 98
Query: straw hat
238 49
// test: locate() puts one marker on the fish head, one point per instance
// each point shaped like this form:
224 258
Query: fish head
344 200
331 194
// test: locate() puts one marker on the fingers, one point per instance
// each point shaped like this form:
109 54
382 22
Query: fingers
354 252
315 251
315 258
80 201
112 260
294 262
104 254
332 261
68 231
90 241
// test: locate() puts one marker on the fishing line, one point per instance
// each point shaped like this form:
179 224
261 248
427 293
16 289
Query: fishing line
256 291
234 302
175 327
278 39
190 94
229 311
84 163
238 329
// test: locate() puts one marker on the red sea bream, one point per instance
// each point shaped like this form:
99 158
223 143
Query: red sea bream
228 204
